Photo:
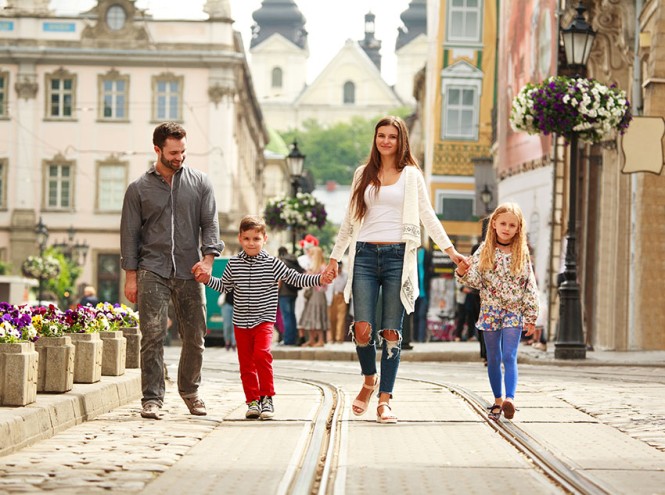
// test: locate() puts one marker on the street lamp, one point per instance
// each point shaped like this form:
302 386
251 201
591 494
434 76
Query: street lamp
42 238
76 252
577 40
486 197
295 161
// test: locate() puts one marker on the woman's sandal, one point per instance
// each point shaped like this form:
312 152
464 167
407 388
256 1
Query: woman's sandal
362 405
508 409
495 412
387 417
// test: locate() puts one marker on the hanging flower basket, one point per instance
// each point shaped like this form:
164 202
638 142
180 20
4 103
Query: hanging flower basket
300 212
565 106
36 267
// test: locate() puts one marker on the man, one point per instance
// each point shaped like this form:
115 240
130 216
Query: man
169 219
287 298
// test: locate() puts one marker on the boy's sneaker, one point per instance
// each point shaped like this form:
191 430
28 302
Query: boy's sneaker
267 409
253 410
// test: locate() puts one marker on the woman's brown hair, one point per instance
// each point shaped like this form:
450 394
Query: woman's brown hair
370 174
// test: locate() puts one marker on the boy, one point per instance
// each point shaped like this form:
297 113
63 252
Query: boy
253 275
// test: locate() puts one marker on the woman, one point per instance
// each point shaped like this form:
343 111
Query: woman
388 202
314 317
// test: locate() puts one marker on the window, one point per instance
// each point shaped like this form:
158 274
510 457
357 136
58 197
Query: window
460 113
455 207
116 17
111 184
4 93
349 92
108 277
59 185
3 183
277 76
464 20
114 95
167 104
60 99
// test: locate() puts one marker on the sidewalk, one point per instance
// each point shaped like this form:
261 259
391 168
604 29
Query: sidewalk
53 413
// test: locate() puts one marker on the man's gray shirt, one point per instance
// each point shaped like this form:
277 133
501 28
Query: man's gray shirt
162 227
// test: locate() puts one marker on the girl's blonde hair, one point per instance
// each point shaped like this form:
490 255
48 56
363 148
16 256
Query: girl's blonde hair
519 249
316 255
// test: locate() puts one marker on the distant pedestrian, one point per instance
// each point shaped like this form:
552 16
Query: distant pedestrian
501 270
253 275
168 235
314 317
338 308
225 302
89 296
287 298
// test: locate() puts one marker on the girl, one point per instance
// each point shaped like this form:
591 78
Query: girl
389 200
315 313
501 270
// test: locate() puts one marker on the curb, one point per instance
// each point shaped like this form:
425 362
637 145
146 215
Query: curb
53 413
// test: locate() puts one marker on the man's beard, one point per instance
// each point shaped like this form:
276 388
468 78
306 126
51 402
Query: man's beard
169 164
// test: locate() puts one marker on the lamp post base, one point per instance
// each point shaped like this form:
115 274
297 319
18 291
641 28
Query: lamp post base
569 350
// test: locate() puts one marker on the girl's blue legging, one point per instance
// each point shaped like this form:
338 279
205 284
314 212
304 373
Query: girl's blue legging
501 347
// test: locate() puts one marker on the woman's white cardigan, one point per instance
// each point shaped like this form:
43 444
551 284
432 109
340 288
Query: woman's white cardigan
416 209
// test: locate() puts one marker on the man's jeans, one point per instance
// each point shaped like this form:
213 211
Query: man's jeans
287 306
378 267
154 294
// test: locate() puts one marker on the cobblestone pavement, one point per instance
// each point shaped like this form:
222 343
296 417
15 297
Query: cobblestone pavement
122 453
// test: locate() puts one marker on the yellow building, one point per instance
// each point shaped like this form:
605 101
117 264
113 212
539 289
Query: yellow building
460 97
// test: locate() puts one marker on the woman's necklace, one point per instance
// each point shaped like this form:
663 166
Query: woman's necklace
502 244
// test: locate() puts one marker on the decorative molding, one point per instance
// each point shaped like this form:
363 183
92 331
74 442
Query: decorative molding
217 92
26 87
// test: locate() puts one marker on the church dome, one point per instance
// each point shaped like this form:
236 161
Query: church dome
415 22
282 17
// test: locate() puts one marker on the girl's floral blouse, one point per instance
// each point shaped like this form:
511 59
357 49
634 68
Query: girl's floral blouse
506 300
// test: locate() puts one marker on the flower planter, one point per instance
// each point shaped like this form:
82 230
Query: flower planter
114 353
56 364
18 374
133 336
88 357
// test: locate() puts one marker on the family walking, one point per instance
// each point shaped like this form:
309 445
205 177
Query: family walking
170 235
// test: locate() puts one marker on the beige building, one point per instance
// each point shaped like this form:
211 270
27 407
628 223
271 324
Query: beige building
79 98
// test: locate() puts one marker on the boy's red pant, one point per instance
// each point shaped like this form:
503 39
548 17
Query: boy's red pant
255 359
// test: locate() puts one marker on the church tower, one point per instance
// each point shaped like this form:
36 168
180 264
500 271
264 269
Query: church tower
370 44
279 51
411 48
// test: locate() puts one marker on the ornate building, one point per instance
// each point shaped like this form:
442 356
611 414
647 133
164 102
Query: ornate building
351 83
79 99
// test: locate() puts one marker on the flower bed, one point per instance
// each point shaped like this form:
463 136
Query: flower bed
566 106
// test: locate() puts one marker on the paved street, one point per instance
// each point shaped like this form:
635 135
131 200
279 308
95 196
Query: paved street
605 421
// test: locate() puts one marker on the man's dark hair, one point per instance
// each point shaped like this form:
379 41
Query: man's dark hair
167 130
282 251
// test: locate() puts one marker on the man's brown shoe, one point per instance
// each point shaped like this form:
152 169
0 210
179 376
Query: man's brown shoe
150 411
195 406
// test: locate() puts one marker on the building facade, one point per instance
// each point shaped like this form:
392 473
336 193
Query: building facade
79 99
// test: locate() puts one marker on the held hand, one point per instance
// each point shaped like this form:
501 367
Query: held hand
332 268
530 329
327 277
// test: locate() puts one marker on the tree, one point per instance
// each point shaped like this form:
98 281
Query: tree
334 152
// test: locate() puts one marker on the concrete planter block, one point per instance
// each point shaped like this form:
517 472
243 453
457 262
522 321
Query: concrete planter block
56 364
115 353
18 374
133 336
88 357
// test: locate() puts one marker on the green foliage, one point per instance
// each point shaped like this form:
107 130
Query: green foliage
4 268
334 152
64 284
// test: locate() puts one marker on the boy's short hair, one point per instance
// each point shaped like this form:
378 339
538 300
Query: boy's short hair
252 222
